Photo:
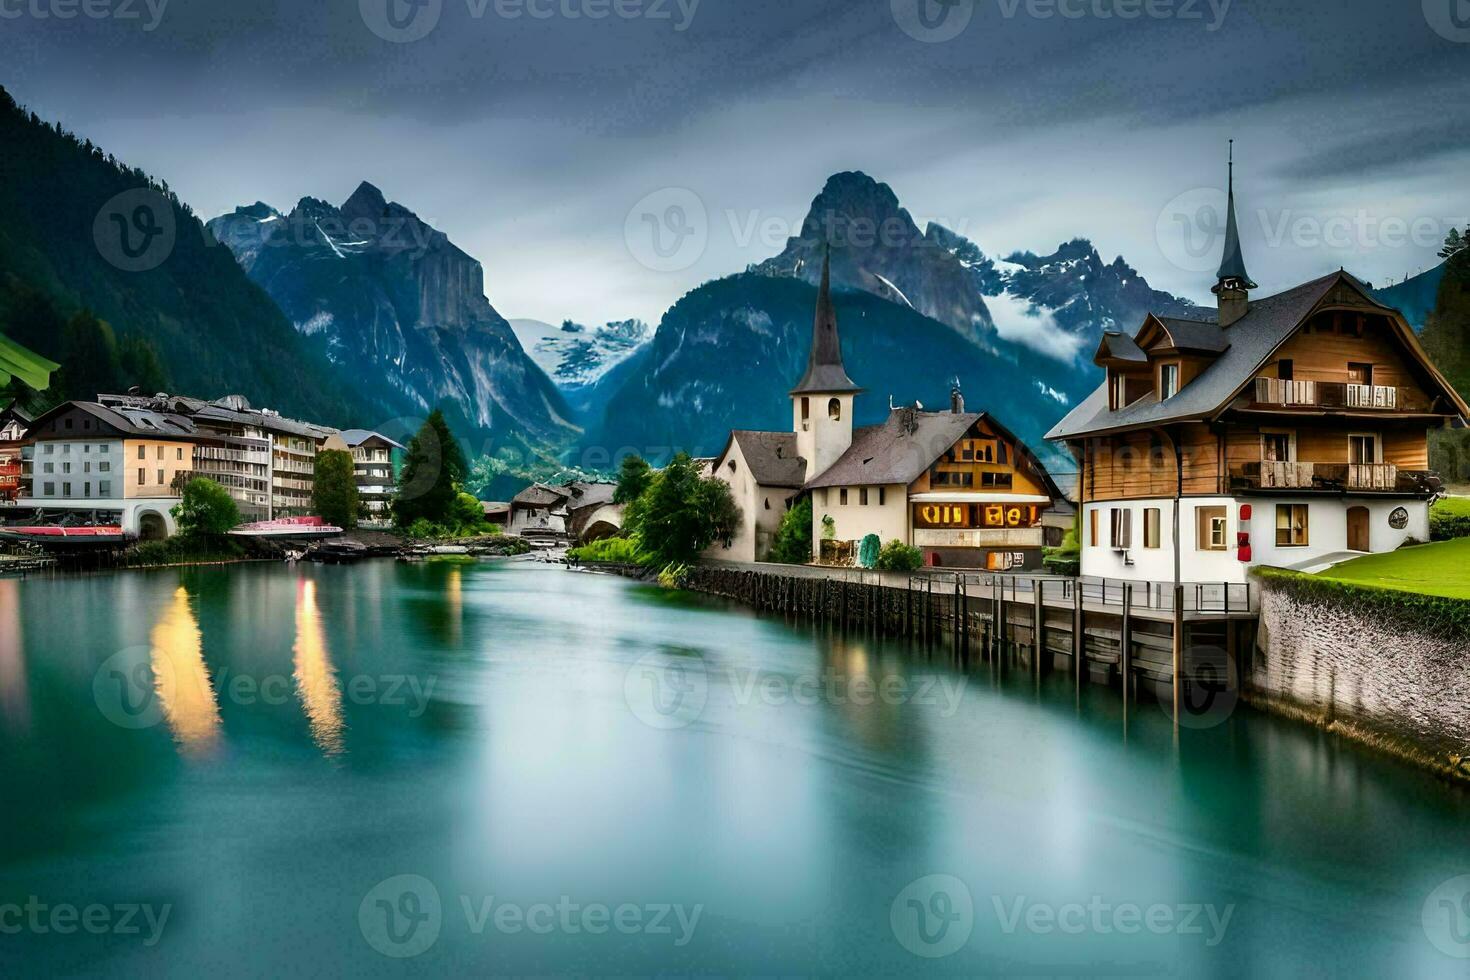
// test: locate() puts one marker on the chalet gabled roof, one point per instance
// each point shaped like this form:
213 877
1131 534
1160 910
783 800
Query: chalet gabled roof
825 373
540 495
771 457
1195 335
356 437
899 453
129 422
1250 343
1119 346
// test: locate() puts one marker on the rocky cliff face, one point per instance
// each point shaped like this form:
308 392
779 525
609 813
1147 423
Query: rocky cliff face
401 308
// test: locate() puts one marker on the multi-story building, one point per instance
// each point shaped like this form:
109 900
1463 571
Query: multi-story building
1288 431
103 465
13 425
372 465
265 460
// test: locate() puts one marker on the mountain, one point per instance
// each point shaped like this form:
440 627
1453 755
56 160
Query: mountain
1057 305
1414 298
396 304
574 356
85 237
726 355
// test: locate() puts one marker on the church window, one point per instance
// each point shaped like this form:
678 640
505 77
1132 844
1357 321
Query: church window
834 410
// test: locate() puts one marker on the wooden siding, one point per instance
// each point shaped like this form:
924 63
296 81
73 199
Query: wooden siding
1322 351
1024 478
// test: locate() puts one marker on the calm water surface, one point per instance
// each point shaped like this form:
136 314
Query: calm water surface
514 769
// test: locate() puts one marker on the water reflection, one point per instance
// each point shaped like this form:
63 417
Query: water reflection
14 703
316 680
180 678
455 597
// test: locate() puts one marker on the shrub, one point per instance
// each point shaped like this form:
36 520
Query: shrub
793 544
681 513
1449 518
829 528
869 550
206 510
898 557
620 551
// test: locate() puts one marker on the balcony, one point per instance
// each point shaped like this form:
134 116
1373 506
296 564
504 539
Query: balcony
1271 393
1332 477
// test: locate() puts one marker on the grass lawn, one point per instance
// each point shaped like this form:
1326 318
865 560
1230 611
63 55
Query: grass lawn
1441 569
1458 506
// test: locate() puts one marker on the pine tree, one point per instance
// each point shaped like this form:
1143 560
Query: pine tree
1454 243
433 473
1447 341
334 488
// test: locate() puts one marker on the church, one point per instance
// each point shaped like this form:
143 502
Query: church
957 485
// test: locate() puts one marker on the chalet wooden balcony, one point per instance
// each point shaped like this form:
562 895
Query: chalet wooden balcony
1271 393
1338 477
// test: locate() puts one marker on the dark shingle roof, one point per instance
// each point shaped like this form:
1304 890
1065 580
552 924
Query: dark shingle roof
356 437
539 495
1249 342
1120 346
771 457
891 453
1200 335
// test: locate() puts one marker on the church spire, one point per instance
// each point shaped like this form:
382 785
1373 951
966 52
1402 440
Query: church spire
825 373
1232 268
1234 283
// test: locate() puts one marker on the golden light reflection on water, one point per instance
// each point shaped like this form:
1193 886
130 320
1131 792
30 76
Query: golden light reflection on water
456 603
316 680
180 678
15 705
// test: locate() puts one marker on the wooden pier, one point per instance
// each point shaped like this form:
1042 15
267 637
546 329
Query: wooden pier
1100 631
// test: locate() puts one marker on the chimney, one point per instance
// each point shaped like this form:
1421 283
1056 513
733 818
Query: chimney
956 398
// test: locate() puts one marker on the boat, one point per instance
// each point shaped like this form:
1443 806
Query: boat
56 535
288 529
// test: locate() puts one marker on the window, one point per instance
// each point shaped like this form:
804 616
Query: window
1212 528
48 467
863 496
104 467
882 496
1360 374
822 496
834 410
1363 449
1092 538
87 467
1286 370
142 452
49 448
87 489
1168 381
86 448
1117 386
66 489
1152 527
180 452
66 467
768 503
806 409
50 489
842 496
104 488
142 476
160 477
1122 530
160 452
1291 525
1278 446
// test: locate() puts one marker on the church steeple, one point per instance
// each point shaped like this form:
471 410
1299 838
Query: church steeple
1234 282
825 373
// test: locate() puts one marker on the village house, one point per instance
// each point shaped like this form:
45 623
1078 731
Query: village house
577 512
112 466
1290 430
957 485
372 467
13 425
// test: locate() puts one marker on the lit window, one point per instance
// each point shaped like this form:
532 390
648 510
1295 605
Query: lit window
1152 537
1212 528
1291 526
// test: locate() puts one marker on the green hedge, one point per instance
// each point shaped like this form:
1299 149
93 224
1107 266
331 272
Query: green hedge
1449 519
1436 615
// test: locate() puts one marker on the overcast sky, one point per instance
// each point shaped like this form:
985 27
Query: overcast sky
533 132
